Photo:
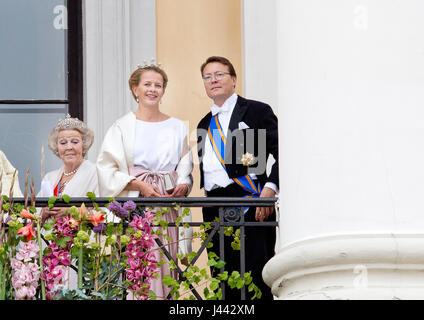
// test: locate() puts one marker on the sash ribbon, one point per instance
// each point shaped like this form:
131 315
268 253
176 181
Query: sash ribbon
218 141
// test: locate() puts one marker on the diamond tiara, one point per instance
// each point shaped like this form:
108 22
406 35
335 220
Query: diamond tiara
69 123
153 63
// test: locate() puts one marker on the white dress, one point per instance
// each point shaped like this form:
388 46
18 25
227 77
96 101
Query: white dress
152 146
155 146
117 156
85 180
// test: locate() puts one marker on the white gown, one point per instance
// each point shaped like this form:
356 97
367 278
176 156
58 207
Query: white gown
85 180
158 147
155 147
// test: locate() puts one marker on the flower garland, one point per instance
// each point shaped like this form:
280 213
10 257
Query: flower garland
141 263
25 271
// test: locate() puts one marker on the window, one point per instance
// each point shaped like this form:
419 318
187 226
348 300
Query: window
40 78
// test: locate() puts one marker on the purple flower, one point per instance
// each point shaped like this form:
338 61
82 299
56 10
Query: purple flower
114 206
101 228
130 205
117 209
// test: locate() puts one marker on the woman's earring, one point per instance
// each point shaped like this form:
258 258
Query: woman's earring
137 99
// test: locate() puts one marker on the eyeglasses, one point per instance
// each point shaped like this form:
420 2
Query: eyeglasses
217 75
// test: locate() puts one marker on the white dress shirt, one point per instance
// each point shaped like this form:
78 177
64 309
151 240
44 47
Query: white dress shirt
214 174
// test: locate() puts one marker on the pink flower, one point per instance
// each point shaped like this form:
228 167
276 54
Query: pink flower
57 261
63 257
73 223
16 264
21 293
141 263
25 272
28 251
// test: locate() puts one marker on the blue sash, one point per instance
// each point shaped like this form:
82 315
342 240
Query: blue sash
218 142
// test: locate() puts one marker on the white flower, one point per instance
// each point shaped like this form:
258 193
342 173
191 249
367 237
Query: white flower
248 159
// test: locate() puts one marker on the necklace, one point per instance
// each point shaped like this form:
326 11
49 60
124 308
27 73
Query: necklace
61 187
69 173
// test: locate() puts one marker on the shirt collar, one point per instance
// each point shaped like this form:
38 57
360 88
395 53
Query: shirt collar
228 106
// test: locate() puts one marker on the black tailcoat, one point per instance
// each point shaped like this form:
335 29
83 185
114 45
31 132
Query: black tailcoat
261 140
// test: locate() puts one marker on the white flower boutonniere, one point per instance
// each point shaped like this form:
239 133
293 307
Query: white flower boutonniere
248 159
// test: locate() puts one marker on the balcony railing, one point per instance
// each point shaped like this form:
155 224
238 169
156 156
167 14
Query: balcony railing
229 216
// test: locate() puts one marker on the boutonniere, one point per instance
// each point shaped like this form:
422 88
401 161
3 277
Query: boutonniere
248 159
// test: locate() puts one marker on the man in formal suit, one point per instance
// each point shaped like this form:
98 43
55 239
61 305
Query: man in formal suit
235 140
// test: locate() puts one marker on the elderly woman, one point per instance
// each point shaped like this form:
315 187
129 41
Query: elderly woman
70 140
145 153
7 172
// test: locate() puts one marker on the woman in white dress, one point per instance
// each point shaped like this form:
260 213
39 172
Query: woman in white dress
70 140
142 149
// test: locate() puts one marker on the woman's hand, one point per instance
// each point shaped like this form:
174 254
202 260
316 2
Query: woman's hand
52 213
148 190
180 191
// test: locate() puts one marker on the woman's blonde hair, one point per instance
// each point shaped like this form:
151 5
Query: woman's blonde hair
135 78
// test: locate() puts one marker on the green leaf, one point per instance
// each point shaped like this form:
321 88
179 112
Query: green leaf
211 263
240 284
186 212
220 264
52 201
48 226
66 198
91 195
214 285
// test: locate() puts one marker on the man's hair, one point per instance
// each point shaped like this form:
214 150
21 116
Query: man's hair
221 60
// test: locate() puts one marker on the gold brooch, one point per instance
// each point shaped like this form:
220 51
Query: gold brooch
248 159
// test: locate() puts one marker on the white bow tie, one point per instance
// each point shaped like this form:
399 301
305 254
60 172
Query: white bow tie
224 108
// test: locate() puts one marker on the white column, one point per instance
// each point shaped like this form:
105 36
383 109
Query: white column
118 35
351 126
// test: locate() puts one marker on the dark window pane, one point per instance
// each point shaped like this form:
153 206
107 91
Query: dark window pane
23 132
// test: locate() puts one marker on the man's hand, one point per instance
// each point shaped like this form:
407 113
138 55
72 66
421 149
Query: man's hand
262 213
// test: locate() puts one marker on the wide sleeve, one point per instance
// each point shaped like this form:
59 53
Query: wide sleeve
270 122
112 168
185 165
93 181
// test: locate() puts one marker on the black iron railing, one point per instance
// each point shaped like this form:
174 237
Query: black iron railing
229 216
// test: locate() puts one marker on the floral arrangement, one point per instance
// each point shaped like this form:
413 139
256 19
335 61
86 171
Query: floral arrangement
81 255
